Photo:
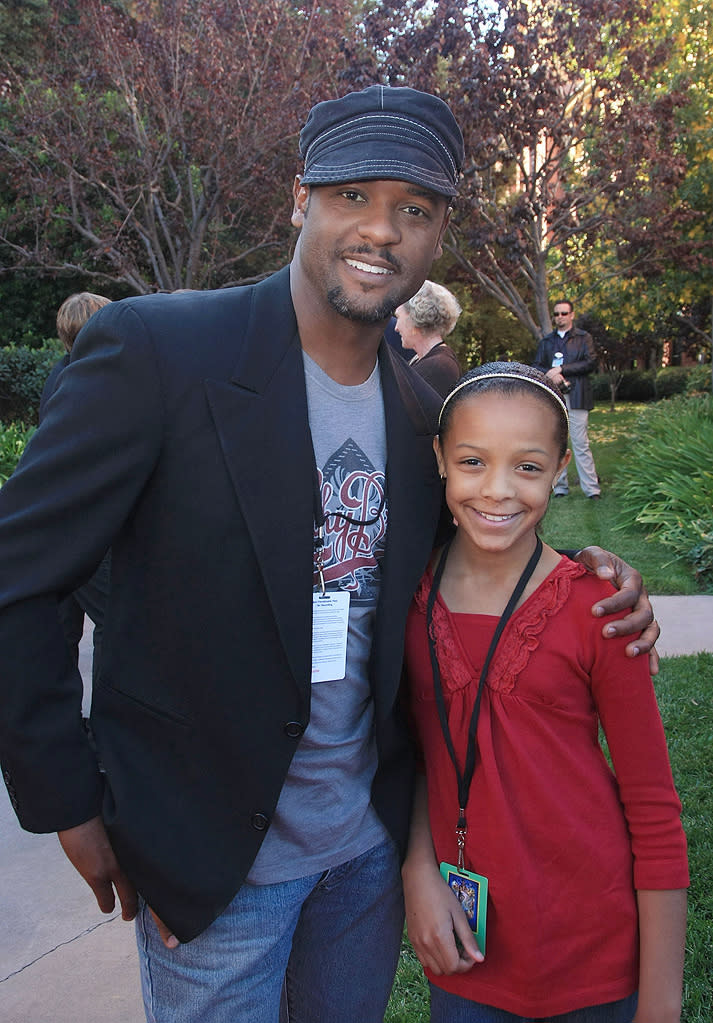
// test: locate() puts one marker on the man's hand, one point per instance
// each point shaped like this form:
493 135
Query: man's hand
167 937
88 850
632 593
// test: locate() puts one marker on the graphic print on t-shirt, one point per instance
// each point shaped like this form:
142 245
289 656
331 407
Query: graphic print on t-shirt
351 485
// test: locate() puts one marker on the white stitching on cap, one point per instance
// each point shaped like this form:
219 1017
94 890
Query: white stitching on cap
353 126
353 171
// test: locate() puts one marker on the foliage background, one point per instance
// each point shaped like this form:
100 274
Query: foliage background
148 145
151 145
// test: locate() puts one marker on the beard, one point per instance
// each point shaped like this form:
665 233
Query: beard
359 314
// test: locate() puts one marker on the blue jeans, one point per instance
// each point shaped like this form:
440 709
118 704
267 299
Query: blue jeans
314 950
448 1008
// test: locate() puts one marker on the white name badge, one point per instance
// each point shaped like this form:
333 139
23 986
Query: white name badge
330 621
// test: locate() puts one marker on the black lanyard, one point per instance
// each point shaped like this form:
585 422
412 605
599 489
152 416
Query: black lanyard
466 777
319 520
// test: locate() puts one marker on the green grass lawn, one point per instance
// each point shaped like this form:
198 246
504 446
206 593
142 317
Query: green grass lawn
684 687
685 691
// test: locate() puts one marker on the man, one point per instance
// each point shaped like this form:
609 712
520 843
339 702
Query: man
568 358
260 464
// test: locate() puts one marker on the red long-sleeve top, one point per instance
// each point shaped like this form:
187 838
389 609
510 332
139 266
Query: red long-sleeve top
563 841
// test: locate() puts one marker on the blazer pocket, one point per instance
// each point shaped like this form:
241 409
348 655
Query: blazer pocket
166 714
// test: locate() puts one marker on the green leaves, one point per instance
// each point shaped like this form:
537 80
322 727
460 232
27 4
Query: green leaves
13 439
23 372
668 482
154 144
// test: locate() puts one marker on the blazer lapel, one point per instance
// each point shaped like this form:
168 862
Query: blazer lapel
414 496
261 419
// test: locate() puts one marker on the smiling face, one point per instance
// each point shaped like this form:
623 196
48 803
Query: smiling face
500 455
365 248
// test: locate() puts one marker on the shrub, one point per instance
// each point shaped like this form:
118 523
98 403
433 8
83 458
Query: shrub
666 482
23 372
634 385
648 385
600 387
637 385
671 380
699 379
13 439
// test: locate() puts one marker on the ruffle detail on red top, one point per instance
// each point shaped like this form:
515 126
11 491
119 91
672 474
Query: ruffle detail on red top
520 638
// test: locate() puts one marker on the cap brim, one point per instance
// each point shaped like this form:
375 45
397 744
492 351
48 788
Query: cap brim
369 162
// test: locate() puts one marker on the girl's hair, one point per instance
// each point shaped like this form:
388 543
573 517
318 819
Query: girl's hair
74 313
507 378
433 308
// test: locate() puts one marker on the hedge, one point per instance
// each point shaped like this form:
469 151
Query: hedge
651 385
635 385
23 372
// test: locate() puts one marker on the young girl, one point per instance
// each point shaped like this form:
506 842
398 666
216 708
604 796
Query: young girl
509 677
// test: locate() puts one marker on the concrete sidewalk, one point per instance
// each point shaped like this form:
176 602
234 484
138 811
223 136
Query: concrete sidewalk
62 961
686 625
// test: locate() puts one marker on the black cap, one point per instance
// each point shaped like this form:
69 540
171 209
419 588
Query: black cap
383 133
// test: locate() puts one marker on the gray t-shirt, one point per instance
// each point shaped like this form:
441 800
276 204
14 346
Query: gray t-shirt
324 816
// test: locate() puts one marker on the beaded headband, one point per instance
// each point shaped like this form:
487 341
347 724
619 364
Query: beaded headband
505 376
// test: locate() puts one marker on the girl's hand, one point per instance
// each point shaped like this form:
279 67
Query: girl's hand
437 926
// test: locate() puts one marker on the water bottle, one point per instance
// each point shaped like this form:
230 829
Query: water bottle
557 361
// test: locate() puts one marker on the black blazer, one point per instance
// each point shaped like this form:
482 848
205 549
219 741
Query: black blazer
51 384
178 437
580 360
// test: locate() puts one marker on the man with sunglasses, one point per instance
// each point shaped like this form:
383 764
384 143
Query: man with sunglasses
568 358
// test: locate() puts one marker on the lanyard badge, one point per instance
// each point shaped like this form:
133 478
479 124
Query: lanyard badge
330 623
330 626
470 888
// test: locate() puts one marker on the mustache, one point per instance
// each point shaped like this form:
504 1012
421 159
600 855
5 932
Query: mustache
366 250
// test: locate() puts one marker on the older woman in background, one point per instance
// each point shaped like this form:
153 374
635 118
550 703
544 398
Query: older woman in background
423 322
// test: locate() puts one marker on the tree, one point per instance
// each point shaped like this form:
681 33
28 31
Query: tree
619 350
157 144
690 26
564 144
22 25
154 146
670 298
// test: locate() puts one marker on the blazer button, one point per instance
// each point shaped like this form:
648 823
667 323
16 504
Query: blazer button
260 821
294 729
